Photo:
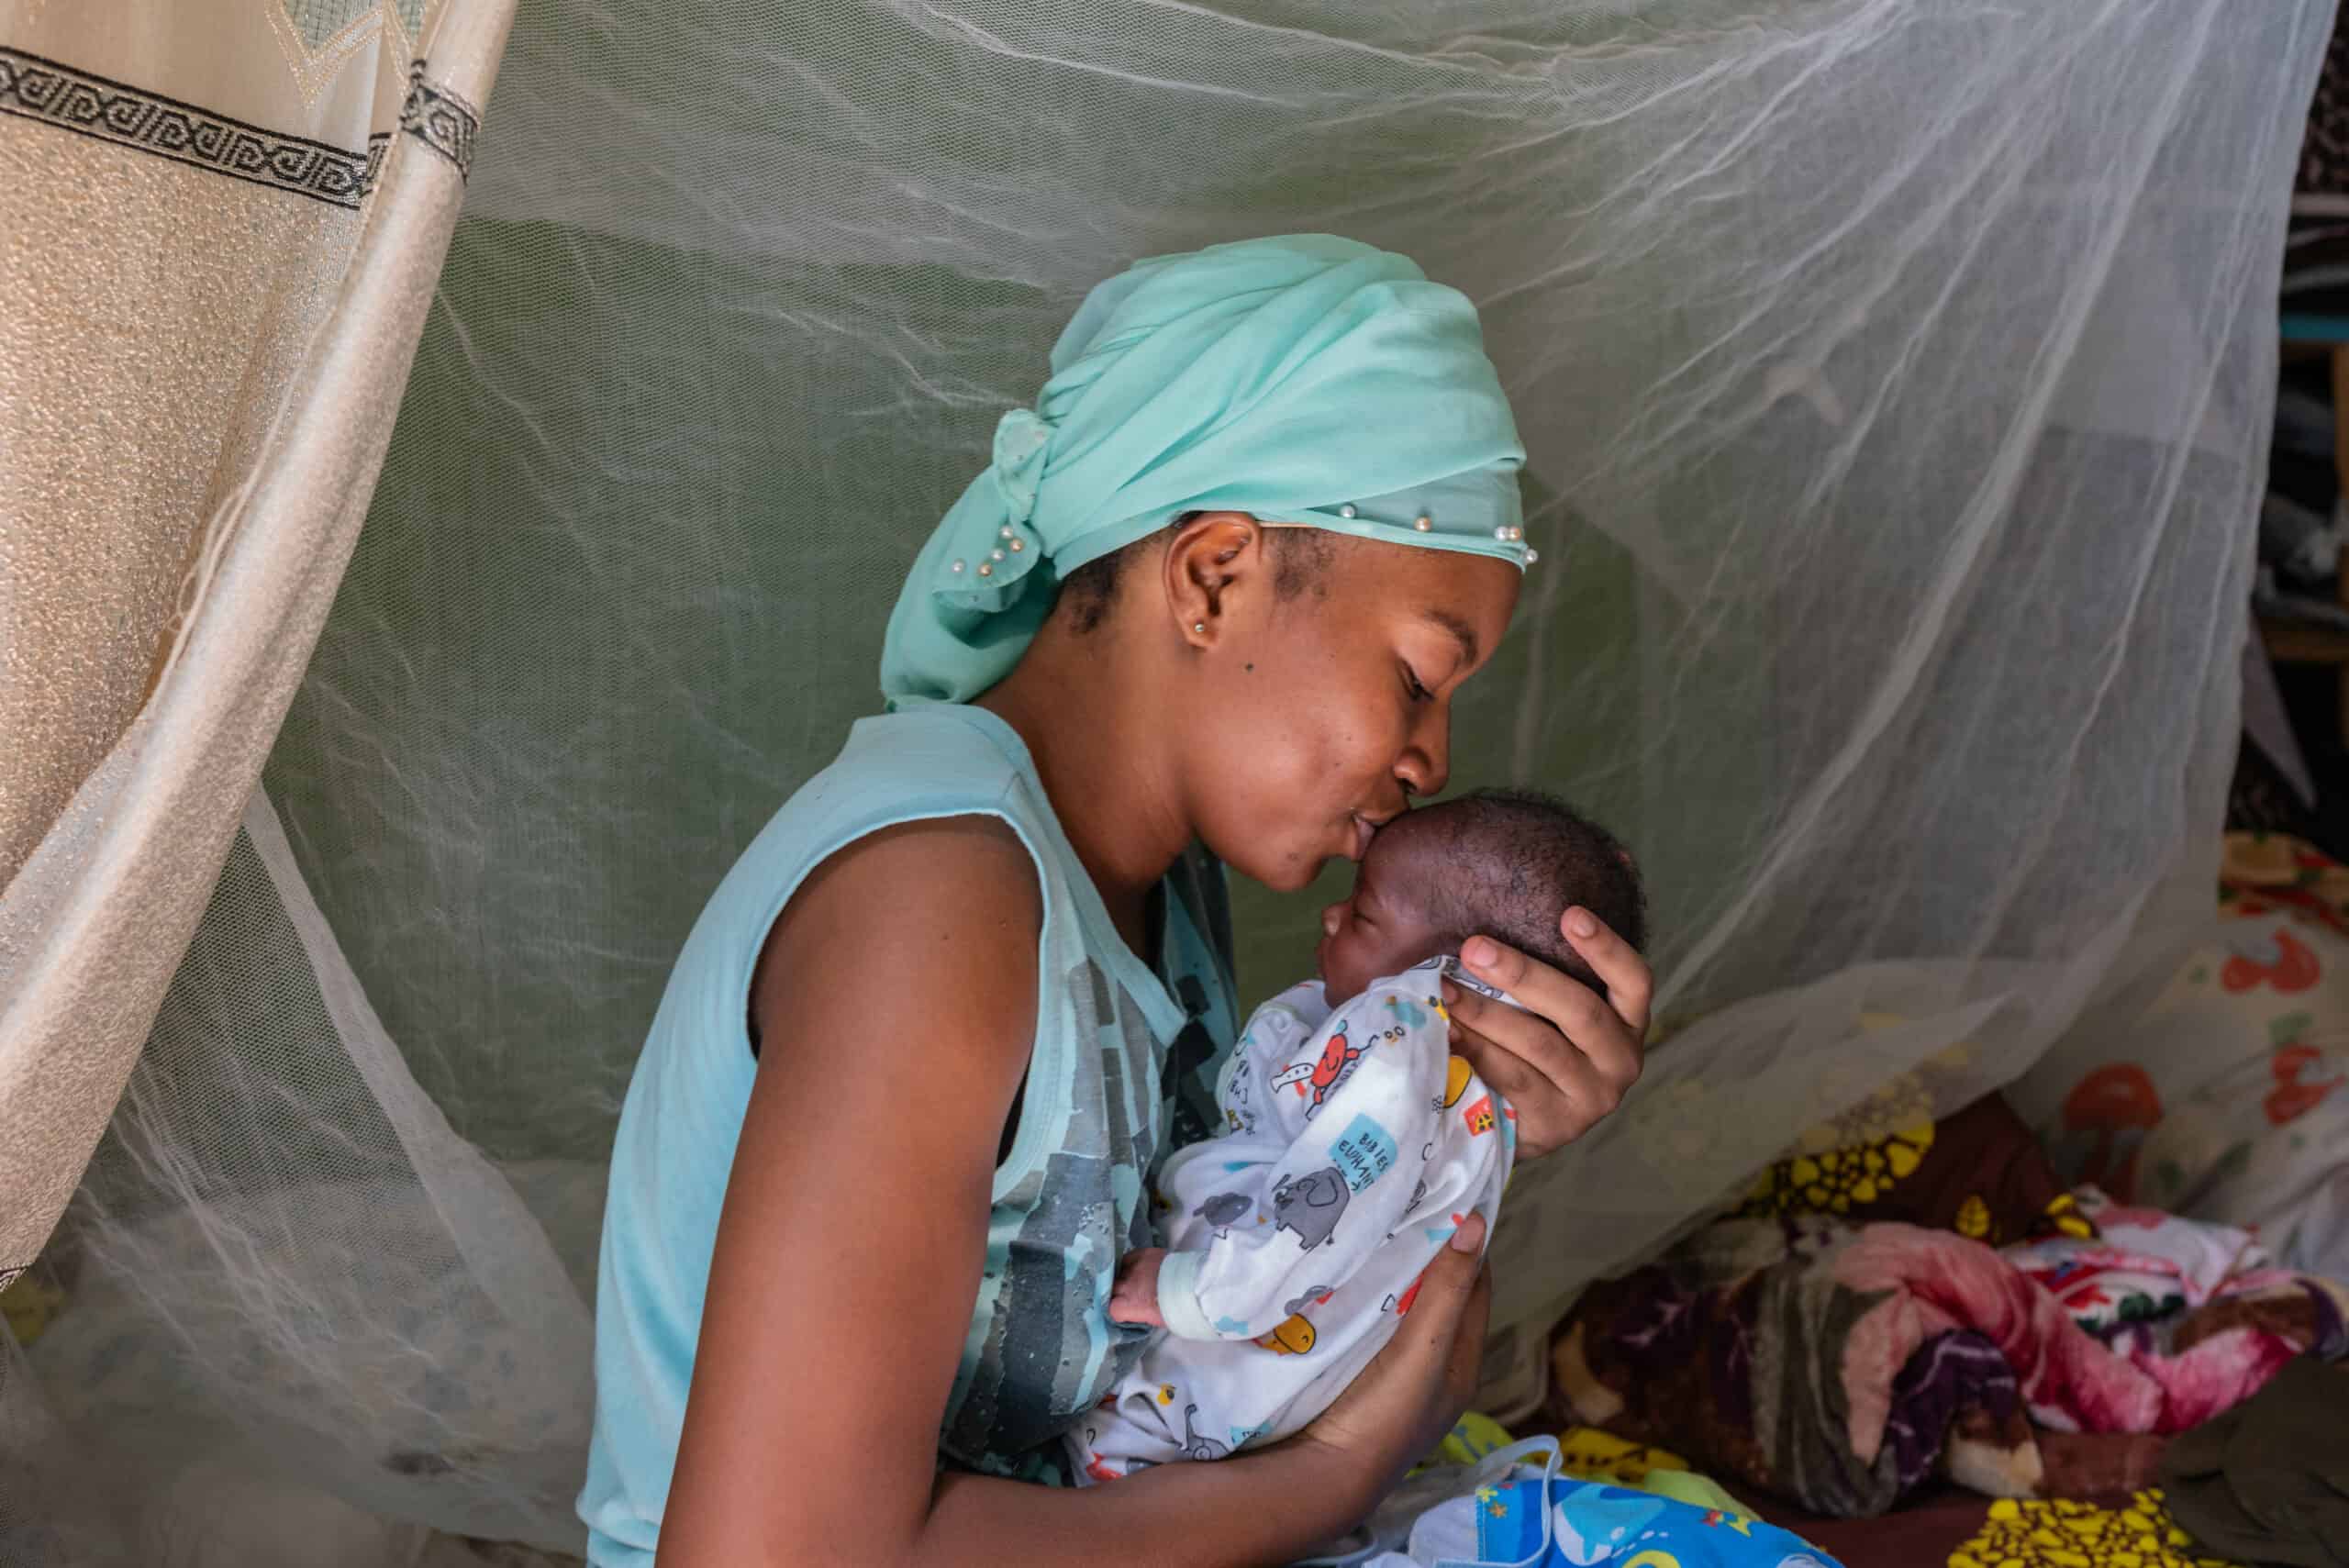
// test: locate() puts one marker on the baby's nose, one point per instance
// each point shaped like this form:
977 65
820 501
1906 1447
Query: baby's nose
1330 919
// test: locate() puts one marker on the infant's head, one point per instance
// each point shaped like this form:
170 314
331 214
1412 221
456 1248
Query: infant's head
1501 863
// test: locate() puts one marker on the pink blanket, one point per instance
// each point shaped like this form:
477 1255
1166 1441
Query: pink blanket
2071 1381
1842 1365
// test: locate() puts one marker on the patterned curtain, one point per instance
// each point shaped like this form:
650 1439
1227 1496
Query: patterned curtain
225 222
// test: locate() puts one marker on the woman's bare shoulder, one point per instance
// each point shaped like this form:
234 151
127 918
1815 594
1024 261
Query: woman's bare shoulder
935 918
896 1004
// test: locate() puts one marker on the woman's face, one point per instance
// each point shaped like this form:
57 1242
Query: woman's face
1316 716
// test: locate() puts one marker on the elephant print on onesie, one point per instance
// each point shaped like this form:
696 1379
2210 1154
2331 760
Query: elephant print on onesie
1195 1446
1310 1205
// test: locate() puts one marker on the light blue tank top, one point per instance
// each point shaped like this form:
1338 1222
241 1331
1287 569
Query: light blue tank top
1122 1071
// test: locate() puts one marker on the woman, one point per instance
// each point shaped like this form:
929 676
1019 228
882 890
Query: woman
894 1123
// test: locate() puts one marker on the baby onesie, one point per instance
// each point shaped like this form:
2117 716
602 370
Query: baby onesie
1354 1143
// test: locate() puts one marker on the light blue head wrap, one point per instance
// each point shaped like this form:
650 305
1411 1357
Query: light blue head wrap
1305 380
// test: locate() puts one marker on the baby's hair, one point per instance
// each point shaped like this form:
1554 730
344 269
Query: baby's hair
1514 860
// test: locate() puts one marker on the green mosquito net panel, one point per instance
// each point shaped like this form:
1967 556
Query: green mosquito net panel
1895 378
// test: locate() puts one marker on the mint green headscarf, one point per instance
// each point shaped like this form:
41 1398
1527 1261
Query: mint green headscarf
1305 380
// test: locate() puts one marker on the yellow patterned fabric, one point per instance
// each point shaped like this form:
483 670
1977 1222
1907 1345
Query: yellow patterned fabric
2080 1535
1978 1172
1472 1437
1832 1181
1586 1453
1602 1456
2065 1218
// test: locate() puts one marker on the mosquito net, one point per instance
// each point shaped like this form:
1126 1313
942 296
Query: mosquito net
1896 379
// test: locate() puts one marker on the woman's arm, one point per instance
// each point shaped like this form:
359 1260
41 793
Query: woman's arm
1570 1066
1266 1506
897 1002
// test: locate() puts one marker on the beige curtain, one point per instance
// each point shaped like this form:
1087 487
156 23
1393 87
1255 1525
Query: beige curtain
226 222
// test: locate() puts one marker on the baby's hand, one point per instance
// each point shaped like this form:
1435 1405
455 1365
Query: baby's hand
1134 1299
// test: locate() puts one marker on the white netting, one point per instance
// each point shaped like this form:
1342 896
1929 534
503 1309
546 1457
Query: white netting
1896 379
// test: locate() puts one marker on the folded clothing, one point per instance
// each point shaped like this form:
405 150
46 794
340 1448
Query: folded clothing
2144 1265
2268 1481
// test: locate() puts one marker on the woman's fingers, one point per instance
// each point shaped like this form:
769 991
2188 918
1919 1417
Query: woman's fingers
1467 1365
1428 1335
1630 983
1468 1344
1524 1058
1568 1059
1607 1030
1444 1287
1621 970
1581 1046
1407 1397
1456 1294
1551 1112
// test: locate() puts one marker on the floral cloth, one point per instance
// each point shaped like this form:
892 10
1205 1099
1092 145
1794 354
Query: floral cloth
2229 1104
2144 1264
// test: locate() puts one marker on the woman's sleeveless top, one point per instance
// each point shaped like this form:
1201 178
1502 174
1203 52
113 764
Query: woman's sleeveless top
1123 1070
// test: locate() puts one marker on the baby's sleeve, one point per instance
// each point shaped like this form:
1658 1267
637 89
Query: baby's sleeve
1368 1086
1274 1034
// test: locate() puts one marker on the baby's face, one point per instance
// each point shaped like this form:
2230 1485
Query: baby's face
1377 929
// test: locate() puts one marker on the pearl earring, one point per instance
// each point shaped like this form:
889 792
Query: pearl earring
1199 625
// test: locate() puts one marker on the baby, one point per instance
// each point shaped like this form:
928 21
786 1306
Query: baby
1355 1143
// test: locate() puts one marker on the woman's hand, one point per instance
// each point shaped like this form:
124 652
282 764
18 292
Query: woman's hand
1562 1070
1400 1406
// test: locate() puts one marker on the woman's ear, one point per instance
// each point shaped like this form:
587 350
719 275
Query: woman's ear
1213 560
